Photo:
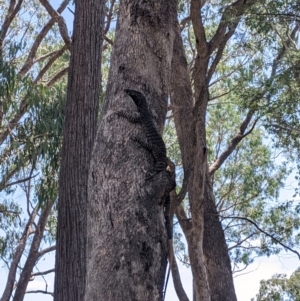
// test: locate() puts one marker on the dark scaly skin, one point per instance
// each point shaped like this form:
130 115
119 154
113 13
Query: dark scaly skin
156 146
154 142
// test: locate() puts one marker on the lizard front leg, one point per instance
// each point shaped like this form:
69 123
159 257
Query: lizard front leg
132 117
161 163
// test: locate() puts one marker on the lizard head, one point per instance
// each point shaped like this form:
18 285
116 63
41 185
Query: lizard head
136 96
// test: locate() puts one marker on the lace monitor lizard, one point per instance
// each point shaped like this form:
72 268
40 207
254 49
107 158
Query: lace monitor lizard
156 146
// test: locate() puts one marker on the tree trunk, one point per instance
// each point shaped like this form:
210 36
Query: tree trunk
127 242
33 254
81 111
210 262
216 252
190 128
17 257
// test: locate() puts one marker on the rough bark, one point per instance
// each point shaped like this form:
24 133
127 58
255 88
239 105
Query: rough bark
81 111
127 242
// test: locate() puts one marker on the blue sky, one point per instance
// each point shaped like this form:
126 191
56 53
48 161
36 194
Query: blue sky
246 284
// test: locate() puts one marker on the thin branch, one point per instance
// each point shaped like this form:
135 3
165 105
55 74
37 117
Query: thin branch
233 143
11 13
47 250
40 291
109 16
108 40
43 57
50 63
264 232
9 211
241 241
221 95
230 18
60 21
30 59
18 181
57 76
17 257
291 15
4 183
43 273
245 273
184 22
33 255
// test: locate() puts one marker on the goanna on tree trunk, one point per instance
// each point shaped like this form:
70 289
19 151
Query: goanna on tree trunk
127 242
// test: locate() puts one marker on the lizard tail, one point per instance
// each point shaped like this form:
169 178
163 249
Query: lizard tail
171 254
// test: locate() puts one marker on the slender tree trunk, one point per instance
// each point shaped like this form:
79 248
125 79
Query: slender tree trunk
83 93
34 254
210 262
190 128
17 257
127 243
216 252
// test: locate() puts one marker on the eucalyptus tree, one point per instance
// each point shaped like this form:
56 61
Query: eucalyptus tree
227 72
280 288
127 243
236 54
33 61
81 112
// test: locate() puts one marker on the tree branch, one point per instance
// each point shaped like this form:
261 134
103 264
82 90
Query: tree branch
33 254
198 27
50 63
11 13
108 40
57 76
17 256
41 292
45 56
181 294
43 273
109 16
230 19
30 59
264 232
47 250
2 185
233 144
60 21
240 242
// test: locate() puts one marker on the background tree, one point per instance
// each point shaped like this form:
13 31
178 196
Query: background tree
219 66
280 288
31 126
33 89
83 95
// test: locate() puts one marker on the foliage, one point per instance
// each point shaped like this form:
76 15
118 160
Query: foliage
258 73
280 288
